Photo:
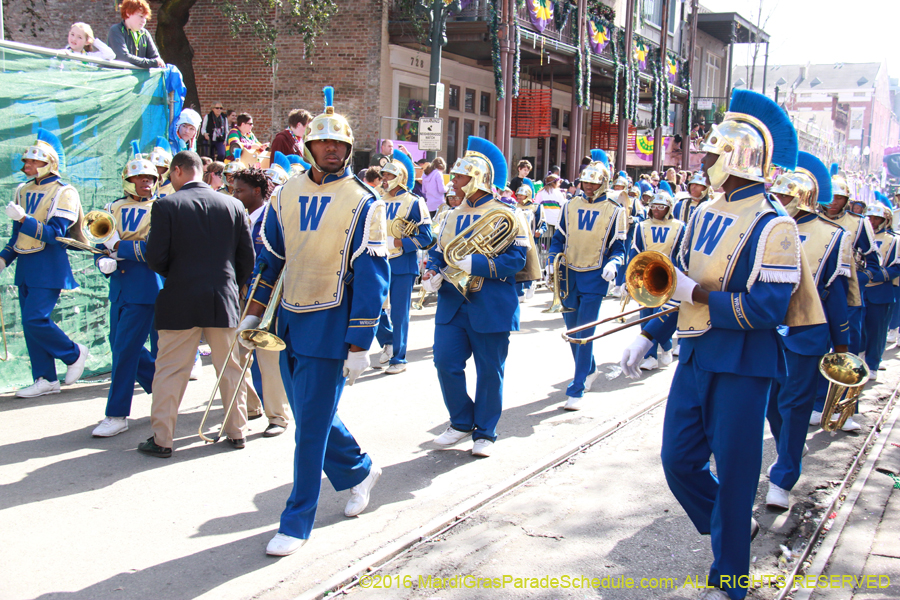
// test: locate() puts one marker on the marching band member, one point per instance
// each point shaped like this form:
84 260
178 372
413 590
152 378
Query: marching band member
278 172
44 208
326 231
230 169
877 284
743 262
161 157
133 289
534 216
298 165
698 190
479 326
591 234
894 329
266 395
662 233
634 214
827 247
397 181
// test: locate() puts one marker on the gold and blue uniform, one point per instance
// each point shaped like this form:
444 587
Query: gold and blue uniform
863 238
878 295
51 208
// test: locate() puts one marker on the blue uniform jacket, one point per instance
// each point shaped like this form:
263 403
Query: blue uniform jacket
48 268
133 281
328 333
494 308
816 340
638 244
730 346
408 262
883 292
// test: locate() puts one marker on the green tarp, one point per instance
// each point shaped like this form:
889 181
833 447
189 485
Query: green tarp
96 112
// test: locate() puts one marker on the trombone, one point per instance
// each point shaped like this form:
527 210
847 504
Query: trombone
556 305
846 374
97 227
261 338
651 281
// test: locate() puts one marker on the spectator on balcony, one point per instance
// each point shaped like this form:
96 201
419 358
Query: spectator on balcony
130 40
523 168
241 136
215 128
290 141
82 41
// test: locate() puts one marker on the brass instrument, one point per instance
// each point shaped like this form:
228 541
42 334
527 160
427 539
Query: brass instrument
846 374
261 338
97 227
626 298
402 228
650 280
490 236
556 305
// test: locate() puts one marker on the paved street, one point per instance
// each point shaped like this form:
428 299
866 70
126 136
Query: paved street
92 518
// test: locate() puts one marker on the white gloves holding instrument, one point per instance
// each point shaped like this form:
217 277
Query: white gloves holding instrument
249 322
465 264
107 266
433 284
15 212
356 363
609 272
111 242
684 288
632 356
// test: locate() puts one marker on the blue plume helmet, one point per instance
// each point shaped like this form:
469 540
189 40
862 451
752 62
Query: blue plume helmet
623 174
329 96
49 138
600 155
163 143
282 161
526 182
784 136
884 200
135 149
237 153
817 169
665 187
835 169
403 159
296 160
494 156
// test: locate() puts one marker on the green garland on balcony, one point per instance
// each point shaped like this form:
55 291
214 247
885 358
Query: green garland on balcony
494 30
517 61
687 84
586 96
578 84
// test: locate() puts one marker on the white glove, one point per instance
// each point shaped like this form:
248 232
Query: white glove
249 322
550 268
610 271
15 212
111 242
632 356
390 242
466 264
2 265
356 363
433 284
107 265
684 287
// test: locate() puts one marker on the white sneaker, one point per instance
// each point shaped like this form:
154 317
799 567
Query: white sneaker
74 371
529 291
451 437
665 358
676 348
522 299
386 355
41 387
892 336
395 368
649 364
769 470
283 545
110 426
590 379
851 425
197 369
873 376
573 404
482 448
778 497
815 418
359 493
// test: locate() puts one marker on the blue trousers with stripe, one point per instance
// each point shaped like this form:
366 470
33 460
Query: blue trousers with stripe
895 309
587 309
718 414
791 402
45 341
314 387
454 343
129 326
395 330
856 315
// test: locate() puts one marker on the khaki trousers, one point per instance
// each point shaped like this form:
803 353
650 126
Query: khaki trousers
174 360
272 387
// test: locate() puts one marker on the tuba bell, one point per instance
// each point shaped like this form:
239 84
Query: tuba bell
846 374
489 236
556 306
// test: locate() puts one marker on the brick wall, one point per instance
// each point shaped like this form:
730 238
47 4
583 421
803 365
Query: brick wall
348 56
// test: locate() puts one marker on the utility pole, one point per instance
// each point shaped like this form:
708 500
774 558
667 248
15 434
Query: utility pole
688 109
664 59
622 145
437 16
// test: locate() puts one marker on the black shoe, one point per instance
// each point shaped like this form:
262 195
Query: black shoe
238 444
272 430
153 449
254 417
754 529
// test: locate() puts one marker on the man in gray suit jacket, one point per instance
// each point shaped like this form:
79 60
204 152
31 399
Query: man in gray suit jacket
200 242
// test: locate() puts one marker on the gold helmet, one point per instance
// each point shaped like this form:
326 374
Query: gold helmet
161 155
881 207
403 170
47 148
755 135
484 163
663 197
328 126
597 172
526 189
809 184
699 178
235 166
280 169
138 166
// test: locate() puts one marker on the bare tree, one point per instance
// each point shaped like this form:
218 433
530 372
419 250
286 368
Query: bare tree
754 38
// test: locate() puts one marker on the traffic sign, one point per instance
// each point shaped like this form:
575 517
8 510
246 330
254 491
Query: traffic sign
430 133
